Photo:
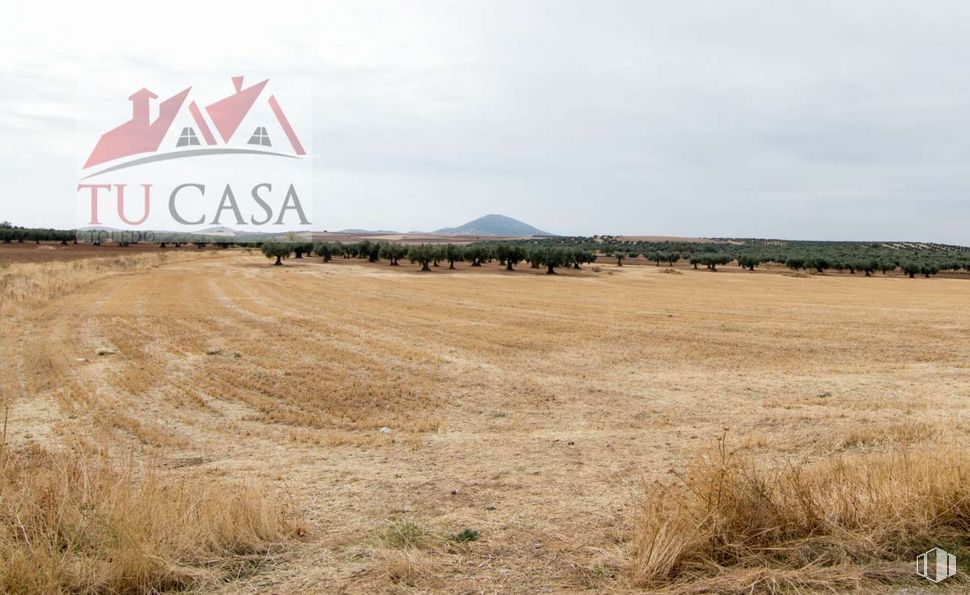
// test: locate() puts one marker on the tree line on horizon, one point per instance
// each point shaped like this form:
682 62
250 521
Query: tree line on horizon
9 234
867 258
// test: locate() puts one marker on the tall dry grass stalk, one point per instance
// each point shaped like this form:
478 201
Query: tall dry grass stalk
731 524
75 524
3 437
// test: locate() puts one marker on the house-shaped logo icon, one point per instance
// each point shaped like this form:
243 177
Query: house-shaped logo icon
936 565
182 128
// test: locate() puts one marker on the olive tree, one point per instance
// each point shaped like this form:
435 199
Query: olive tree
578 256
452 253
277 250
510 255
819 263
710 260
368 249
476 254
393 252
748 262
324 250
867 267
422 254
437 254
550 257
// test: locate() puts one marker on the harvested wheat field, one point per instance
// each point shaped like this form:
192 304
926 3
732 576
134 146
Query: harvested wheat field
40 252
346 427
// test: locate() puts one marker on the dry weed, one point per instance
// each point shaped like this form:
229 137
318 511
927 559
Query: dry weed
70 523
897 433
732 524
406 566
406 534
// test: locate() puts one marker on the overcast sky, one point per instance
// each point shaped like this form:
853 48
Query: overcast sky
802 120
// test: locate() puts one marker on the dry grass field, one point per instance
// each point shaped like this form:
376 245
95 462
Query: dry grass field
393 431
30 252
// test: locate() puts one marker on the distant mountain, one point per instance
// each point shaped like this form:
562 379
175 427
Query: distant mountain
219 230
222 230
494 225
368 231
97 228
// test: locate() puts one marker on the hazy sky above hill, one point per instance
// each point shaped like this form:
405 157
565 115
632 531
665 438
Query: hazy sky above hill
812 120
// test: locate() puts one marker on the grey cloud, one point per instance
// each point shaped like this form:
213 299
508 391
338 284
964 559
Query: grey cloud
787 119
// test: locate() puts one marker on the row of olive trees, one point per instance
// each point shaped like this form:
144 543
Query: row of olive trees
911 268
671 257
9 234
553 256
910 258
509 255
621 254
820 264
710 260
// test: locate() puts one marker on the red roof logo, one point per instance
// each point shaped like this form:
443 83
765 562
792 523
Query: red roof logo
141 134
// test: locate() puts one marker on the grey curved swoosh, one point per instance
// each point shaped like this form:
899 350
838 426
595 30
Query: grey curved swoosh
186 153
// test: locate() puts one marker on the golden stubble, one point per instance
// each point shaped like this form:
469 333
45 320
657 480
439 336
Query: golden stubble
531 408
